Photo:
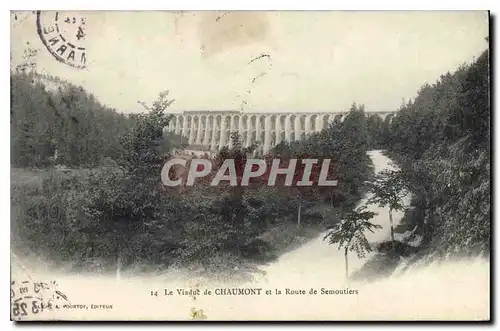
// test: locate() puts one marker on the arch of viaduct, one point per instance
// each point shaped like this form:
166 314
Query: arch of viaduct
212 129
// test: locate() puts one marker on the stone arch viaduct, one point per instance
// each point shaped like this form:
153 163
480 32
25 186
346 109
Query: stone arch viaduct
211 130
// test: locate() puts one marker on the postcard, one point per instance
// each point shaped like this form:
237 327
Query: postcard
250 166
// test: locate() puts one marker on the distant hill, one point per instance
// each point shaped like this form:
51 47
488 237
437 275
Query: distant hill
49 114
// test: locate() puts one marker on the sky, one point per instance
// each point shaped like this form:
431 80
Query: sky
313 61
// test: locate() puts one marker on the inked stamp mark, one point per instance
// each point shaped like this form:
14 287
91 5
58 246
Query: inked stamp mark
64 36
29 299
197 314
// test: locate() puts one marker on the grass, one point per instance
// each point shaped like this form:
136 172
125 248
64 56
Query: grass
281 237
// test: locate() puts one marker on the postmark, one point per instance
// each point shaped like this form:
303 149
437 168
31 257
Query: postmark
64 35
29 299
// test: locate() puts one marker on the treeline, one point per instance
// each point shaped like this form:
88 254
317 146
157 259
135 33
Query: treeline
123 216
442 141
345 143
60 125
379 132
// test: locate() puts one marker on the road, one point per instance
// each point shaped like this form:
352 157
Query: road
319 261
454 290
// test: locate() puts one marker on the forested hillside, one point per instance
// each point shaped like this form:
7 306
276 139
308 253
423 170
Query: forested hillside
442 141
120 216
68 120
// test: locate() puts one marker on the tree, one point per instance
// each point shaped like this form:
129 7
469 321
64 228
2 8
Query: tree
442 141
376 133
349 233
49 115
124 207
388 191
232 206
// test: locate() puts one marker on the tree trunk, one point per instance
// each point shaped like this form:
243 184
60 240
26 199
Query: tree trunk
346 264
426 215
119 264
392 229
298 216
240 220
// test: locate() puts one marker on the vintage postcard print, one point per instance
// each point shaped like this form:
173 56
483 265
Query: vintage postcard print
244 166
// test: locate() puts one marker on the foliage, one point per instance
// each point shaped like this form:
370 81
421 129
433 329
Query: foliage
345 144
67 120
442 142
387 188
349 232
121 214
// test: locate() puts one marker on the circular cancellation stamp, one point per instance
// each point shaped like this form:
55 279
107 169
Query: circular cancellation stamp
29 299
64 35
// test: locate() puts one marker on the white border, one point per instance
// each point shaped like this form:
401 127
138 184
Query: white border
260 5
189 5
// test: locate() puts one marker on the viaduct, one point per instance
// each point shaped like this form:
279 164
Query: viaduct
211 130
